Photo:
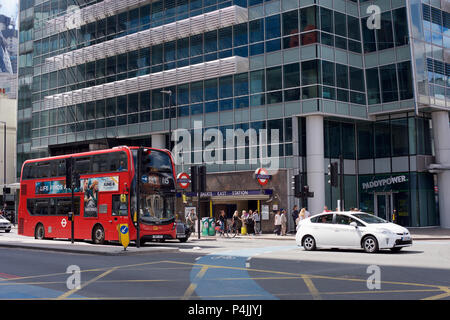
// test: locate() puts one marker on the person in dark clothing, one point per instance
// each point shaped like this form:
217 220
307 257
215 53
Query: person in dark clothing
295 215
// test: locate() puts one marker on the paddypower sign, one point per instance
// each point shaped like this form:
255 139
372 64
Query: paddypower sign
383 182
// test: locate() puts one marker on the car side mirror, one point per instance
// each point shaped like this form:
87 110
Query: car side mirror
354 224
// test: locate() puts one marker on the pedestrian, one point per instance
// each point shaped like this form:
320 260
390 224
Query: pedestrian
277 222
257 220
283 222
235 220
244 218
295 215
191 220
222 221
325 209
250 223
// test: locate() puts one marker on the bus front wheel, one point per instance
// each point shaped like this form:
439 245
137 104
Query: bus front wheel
39 232
98 235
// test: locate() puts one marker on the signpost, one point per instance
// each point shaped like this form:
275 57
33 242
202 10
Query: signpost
124 236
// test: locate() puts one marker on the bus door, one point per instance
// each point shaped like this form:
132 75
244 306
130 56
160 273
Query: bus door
119 214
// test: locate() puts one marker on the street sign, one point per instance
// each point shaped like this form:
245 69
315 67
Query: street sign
124 237
183 180
262 176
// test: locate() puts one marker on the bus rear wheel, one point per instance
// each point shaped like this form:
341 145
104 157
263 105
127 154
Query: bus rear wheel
98 235
39 232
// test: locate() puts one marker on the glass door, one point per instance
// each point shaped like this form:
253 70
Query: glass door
383 205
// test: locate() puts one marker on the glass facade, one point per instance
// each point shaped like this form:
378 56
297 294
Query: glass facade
301 58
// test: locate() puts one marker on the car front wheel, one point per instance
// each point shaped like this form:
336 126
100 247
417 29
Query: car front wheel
309 243
370 244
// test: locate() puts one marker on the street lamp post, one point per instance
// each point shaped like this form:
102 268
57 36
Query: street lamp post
4 153
169 92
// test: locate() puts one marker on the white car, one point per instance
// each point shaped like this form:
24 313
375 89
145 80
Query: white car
5 225
351 230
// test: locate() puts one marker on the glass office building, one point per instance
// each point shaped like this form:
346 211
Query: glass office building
333 78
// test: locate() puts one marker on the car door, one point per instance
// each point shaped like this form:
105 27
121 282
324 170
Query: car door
323 230
346 235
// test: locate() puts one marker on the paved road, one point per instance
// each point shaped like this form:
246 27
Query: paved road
240 268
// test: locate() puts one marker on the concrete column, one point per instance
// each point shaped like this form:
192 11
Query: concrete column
441 132
315 162
159 141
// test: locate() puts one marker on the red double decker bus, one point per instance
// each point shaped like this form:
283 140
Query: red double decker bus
107 195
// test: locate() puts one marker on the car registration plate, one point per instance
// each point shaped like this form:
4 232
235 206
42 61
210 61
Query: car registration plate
406 238
157 236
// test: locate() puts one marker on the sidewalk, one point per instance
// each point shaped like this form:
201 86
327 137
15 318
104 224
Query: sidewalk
426 233
13 240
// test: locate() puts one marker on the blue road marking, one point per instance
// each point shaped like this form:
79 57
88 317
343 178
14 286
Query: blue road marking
209 288
11 290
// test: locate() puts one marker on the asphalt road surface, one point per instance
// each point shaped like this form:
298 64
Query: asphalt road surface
230 269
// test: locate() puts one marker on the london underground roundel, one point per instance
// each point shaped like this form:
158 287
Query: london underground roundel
262 176
183 180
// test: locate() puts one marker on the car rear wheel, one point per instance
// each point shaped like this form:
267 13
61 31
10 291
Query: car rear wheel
309 243
370 244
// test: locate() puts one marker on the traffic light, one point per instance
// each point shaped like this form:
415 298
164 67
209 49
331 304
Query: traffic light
144 160
202 178
333 174
194 179
69 168
296 185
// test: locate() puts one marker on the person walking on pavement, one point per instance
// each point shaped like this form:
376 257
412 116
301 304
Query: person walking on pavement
191 220
277 222
295 215
257 220
283 222
250 223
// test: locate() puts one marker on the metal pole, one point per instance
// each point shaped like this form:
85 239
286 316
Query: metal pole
138 197
341 187
169 92
4 153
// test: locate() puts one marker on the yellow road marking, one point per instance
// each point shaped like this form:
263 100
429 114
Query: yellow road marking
311 287
440 296
190 290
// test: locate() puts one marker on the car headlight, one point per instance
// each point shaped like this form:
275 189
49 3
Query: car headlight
386 231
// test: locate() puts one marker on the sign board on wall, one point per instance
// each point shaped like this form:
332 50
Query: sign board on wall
265 212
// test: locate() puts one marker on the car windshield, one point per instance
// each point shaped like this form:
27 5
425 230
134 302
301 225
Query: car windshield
369 218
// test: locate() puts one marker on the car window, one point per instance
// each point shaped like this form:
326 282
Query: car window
326 218
346 220
341 219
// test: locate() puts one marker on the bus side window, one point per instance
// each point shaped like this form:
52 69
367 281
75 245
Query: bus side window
118 161
100 163
43 170
54 168
61 167
83 165
119 208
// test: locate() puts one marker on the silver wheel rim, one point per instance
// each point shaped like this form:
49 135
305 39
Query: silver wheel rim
99 234
370 245
309 242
